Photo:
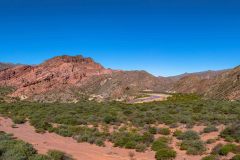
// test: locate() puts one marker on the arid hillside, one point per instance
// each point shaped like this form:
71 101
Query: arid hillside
4 66
67 78
70 78
214 84
226 86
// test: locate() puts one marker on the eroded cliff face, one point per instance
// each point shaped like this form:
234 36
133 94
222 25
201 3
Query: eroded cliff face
59 73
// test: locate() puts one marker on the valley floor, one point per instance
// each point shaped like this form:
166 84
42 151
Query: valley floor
151 97
79 151
85 151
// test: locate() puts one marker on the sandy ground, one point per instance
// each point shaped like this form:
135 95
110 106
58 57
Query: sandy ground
86 151
79 151
151 98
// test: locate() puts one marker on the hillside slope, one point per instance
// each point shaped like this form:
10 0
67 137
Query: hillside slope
70 78
226 86
4 66
66 78
223 84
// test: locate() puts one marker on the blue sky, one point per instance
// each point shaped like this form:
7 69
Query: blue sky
163 37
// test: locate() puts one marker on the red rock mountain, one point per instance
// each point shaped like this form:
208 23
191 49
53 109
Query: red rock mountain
4 66
59 73
67 78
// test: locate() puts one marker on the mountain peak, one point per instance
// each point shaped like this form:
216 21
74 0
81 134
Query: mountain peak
69 59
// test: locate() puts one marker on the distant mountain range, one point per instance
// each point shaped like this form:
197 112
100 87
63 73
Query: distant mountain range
68 78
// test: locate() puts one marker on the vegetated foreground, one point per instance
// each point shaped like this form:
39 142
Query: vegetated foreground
183 127
80 151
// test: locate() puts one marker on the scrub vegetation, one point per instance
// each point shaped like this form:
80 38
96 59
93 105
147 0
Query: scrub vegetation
12 149
133 126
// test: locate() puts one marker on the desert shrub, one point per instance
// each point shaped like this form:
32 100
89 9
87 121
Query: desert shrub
5 90
231 133
224 150
177 133
210 141
12 149
131 140
210 129
236 157
82 134
160 143
57 155
40 157
188 109
141 147
216 149
165 154
152 130
189 135
19 119
164 131
110 119
64 131
193 147
41 126
211 157
147 138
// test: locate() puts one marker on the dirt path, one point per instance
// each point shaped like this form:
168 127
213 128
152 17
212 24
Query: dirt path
79 151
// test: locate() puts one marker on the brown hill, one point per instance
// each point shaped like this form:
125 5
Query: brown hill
195 82
67 78
122 84
226 85
59 73
223 84
4 66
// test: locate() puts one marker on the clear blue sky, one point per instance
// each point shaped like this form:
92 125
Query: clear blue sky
164 37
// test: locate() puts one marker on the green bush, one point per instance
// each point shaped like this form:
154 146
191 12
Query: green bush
177 133
110 119
193 147
40 157
160 143
19 119
131 140
164 131
211 141
141 147
216 149
152 130
165 154
210 129
227 149
57 155
211 157
236 157
189 135
12 149
231 133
